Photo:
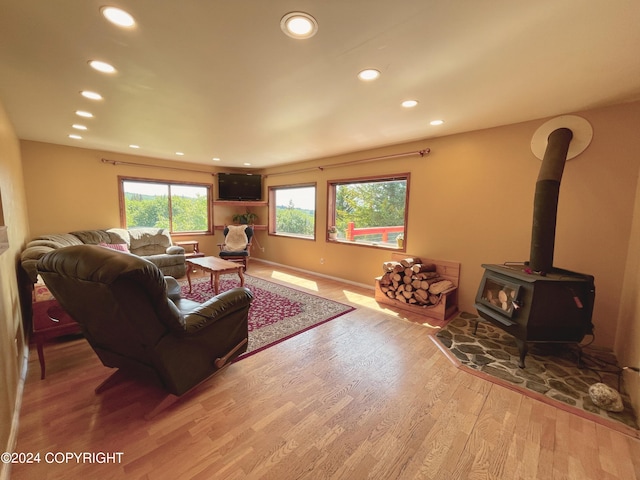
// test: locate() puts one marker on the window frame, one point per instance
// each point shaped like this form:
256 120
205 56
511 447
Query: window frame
272 210
169 183
331 207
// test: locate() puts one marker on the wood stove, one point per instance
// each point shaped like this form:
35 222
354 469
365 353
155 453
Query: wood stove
533 301
555 307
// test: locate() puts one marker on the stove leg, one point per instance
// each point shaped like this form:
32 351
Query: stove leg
522 346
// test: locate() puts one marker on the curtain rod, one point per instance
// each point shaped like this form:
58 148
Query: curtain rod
422 153
118 162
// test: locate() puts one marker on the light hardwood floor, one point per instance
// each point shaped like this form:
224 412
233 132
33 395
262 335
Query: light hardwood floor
367 395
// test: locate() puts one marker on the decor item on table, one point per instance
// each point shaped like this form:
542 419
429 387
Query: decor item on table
237 244
277 312
557 374
333 233
135 319
153 244
247 218
400 240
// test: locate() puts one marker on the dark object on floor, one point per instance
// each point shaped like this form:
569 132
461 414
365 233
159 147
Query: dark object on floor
135 320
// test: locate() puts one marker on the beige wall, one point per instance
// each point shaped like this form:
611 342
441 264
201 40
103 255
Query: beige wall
627 344
12 344
471 201
70 189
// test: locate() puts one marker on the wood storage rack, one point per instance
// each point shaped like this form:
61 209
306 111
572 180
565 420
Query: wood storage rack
447 304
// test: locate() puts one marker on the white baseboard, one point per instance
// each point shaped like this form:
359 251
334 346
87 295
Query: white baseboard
311 272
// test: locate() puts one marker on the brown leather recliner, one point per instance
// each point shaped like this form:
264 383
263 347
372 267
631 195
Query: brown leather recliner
135 320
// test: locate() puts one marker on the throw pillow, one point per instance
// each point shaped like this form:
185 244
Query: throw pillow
122 247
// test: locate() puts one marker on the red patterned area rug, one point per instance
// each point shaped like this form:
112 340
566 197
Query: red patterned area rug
277 312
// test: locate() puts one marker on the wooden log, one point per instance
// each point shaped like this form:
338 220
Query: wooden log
416 283
440 287
389 266
423 267
409 262
426 275
421 295
407 295
434 299
406 279
396 277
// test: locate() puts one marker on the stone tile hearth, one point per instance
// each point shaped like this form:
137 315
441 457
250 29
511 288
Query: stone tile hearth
552 370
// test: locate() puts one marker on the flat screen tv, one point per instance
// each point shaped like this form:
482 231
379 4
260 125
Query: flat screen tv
239 186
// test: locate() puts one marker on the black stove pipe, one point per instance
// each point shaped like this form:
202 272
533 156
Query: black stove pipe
545 203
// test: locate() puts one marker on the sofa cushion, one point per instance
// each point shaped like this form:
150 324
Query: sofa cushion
119 235
93 237
122 247
149 241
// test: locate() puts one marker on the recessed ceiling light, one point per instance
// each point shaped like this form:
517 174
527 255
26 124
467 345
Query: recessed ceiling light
75 137
299 25
91 95
118 17
246 164
103 67
369 74
409 103
436 122
180 153
215 159
82 113
77 126
134 146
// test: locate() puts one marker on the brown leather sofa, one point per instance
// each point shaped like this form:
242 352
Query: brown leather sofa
136 321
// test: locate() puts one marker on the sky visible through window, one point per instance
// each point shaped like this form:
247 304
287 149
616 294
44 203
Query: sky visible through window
148 188
302 197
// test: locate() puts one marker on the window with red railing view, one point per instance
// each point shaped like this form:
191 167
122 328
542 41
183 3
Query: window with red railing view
371 211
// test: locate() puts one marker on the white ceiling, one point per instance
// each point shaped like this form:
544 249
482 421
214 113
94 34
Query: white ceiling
219 78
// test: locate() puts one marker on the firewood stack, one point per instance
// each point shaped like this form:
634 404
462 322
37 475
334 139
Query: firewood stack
413 282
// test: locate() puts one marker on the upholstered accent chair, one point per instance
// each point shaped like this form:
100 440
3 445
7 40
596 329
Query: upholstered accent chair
136 321
237 244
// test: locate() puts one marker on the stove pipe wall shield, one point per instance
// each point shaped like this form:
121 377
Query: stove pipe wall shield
545 203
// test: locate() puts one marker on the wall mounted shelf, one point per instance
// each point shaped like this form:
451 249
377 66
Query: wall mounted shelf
240 203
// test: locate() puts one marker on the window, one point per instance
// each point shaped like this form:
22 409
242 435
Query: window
179 207
292 210
371 211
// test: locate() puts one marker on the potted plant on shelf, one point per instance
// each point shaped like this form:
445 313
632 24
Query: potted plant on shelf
333 233
247 218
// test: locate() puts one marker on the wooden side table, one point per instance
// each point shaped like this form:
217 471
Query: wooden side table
191 248
49 321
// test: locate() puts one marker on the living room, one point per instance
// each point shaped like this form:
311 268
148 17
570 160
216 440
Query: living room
470 201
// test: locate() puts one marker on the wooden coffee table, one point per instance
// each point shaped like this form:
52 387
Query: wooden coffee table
216 266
